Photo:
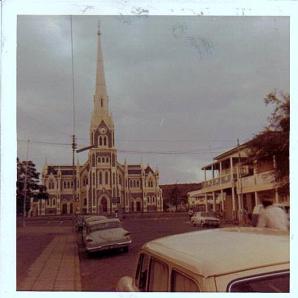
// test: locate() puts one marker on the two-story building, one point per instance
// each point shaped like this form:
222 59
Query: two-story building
233 183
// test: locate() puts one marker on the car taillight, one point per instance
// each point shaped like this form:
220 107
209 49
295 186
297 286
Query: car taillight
127 234
89 240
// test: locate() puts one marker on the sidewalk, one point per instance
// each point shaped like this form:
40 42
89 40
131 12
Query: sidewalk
56 269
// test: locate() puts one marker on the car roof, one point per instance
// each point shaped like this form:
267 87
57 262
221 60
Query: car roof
95 217
222 251
105 220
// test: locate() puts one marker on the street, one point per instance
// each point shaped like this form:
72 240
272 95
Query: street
101 271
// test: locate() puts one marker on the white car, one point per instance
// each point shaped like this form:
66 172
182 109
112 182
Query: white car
106 234
205 219
220 260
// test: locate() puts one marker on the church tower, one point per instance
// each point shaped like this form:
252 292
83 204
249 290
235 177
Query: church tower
102 156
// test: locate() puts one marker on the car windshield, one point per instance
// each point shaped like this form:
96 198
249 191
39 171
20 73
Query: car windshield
104 226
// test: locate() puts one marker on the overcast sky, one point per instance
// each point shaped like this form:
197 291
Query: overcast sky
184 85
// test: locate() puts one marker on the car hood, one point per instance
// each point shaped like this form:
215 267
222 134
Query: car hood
108 235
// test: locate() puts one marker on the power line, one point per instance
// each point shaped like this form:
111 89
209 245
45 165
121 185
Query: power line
46 142
196 151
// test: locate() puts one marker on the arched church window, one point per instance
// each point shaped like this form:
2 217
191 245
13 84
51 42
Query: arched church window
100 177
93 160
107 178
114 178
54 201
120 180
100 140
105 141
101 102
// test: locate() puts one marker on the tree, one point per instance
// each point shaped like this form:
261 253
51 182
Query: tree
273 141
28 185
175 196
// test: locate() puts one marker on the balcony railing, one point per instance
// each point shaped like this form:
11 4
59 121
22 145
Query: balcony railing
265 179
224 179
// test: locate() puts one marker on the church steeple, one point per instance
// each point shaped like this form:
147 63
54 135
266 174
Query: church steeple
101 101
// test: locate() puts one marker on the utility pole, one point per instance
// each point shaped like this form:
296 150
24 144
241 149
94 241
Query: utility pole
25 184
240 203
74 146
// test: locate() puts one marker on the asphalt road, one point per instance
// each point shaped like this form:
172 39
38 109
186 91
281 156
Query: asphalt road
101 271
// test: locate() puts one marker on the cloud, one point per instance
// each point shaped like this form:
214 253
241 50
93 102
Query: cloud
168 78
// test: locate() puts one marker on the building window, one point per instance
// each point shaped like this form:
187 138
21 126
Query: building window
107 178
54 201
105 141
100 177
101 102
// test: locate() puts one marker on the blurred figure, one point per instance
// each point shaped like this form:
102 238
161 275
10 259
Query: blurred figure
255 214
273 217
190 213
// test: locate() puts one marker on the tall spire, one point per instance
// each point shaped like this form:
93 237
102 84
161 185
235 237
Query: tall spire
101 104
100 78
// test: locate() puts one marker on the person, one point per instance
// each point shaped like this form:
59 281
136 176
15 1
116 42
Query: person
255 214
272 217
190 213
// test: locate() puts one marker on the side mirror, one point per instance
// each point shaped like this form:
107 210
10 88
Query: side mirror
126 284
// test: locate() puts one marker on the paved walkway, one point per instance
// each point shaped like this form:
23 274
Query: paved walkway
56 269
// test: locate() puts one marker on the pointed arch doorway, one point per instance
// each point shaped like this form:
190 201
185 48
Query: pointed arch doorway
103 204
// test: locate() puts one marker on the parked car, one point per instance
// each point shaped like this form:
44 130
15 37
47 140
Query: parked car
90 218
223 260
84 220
106 234
205 219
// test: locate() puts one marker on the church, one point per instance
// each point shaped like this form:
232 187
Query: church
102 185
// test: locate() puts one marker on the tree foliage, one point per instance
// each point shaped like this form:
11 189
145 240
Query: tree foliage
273 141
28 184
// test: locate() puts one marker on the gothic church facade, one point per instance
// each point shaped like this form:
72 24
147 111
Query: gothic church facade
102 185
